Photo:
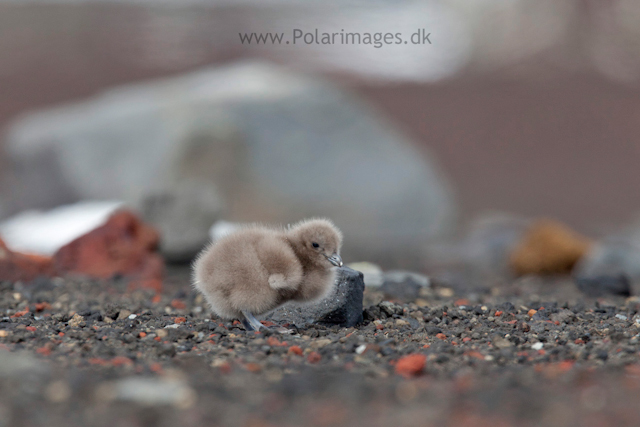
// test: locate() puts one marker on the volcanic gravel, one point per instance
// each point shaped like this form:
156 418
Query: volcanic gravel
532 352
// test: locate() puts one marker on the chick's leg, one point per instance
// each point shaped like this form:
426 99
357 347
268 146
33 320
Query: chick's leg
250 322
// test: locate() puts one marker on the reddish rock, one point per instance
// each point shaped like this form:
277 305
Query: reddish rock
314 357
411 365
124 245
16 266
548 247
294 349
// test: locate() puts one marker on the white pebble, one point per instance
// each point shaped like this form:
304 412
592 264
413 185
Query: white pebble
173 326
537 346
361 349
621 317
132 316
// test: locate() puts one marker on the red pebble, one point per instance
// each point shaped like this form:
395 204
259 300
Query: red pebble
142 334
178 305
179 319
475 355
498 313
411 365
45 351
41 306
294 349
274 342
441 336
252 367
121 360
20 313
314 357
466 339
579 341
31 328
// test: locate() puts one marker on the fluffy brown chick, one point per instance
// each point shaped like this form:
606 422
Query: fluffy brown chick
256 269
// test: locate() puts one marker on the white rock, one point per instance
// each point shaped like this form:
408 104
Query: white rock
537 346
45 232
373 275
132 316
223 228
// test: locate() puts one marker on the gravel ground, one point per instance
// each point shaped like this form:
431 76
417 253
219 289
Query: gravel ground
533 352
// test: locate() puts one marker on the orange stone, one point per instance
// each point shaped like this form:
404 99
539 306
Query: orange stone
314 357
294 349
548 247
411 365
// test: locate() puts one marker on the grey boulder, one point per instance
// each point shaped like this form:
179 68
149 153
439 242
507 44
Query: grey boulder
277 146
403 285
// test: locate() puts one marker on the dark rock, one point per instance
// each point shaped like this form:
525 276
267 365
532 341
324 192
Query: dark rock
389 308
540 315
604 285
343 307
507 307
403 285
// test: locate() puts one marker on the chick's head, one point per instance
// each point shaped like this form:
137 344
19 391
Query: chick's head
319 241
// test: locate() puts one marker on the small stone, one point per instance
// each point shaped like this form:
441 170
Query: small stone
621 317
537 346
132 316
317 344
598 286
124 314
501 342
75 321
411 365
445 292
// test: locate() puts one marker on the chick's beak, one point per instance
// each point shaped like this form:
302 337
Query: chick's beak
335 260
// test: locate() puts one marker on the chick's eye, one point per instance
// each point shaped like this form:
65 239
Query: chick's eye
315 245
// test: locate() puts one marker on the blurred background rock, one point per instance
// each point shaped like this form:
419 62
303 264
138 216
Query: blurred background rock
529 107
